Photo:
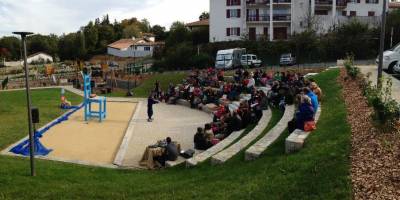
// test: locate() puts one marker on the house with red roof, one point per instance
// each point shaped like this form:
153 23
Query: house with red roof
134 47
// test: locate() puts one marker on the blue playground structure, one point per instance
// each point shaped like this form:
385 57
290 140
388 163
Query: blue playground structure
89 99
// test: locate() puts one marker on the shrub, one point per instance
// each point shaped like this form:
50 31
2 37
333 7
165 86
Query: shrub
352 70
386 109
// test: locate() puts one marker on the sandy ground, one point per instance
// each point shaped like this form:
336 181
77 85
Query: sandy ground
178 122
93 142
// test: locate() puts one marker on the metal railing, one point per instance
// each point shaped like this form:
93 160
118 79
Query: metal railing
282 17
258 18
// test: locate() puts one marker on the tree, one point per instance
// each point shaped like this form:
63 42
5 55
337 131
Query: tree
204 15
178 33
200 35
12 45
144 26
131 31
159 32
91 37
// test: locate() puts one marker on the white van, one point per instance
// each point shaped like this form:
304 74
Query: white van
250 60
229 58
390 58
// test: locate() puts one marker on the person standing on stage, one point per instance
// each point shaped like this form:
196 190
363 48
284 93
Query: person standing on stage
150 102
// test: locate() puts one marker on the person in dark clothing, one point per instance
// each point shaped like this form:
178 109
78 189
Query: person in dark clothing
150 102
171 151
200 142
157 89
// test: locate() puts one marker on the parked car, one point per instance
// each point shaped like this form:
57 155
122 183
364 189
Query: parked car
396 68
390 58
250 60
229 58
287 59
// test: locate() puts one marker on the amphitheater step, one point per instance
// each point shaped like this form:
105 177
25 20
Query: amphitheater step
261 145
296 140
214 149
231 151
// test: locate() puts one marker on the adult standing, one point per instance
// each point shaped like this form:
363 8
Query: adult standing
150 102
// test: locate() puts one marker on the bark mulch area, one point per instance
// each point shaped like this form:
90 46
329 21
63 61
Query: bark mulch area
375 156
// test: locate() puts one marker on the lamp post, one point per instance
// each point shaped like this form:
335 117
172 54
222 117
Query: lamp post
382 44
28 101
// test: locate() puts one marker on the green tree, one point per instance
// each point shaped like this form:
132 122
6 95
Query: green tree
204 15
12 46
159 32
178 34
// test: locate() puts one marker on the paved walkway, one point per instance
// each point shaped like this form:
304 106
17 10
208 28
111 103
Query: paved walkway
178 122
374 74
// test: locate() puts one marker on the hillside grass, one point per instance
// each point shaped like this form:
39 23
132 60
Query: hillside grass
319 171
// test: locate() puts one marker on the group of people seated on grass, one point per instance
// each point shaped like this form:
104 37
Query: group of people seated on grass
240 100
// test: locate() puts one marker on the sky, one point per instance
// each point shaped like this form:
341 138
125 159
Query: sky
65 16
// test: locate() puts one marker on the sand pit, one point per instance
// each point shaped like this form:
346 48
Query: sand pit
93 142
178 122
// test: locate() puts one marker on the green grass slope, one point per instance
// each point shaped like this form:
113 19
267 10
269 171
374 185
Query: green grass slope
319 171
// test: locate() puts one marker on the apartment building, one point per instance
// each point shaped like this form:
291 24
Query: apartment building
278 19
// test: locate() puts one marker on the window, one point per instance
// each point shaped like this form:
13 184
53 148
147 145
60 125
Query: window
235 31
372 1
344 13
321 12
233 2
233 13
371 13
353 13
147 48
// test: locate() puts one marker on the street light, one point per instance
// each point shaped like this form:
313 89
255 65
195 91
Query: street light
382 44
28 101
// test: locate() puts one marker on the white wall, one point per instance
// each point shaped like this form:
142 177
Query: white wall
131 52
363 8
39 57
219 23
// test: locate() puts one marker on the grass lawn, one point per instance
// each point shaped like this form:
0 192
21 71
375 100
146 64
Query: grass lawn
144 89
320 171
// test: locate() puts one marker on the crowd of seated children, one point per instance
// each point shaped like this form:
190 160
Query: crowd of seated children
203 87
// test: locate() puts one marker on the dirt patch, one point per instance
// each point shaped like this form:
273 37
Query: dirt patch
375 157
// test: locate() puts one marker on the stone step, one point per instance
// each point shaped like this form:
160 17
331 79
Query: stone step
261 145
231 151
295 141
214 149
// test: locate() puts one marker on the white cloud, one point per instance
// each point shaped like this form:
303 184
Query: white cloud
64 16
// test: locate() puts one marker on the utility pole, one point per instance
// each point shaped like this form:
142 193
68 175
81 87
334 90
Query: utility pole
382 44
29 103
391 36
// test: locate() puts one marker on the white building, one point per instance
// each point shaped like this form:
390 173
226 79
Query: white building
39 57
133 48
278 19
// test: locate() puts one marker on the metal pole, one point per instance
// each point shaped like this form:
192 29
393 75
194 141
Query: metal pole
391 37
28 100
382 44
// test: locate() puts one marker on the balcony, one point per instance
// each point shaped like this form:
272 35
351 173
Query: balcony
329 3
258 18
282 17
258 37
257 2
283 1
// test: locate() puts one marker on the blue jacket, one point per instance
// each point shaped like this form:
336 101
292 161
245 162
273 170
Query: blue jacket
304 114
314 101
